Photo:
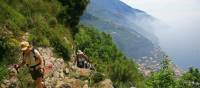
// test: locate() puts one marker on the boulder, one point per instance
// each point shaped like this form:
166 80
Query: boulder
86 86
83 72
66 71
74 83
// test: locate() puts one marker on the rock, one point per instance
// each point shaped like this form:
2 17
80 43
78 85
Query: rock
70 64
61 84
9 83
86 81
65 86
61 75
66 71
3 86
132 87
83 72
56 74
86 86
13 79
12 72
6 82
73 67
107 83
74 83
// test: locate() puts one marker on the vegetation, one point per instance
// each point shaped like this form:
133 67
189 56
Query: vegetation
165 78
3 72
53 23
70 14
39 19
190 79
37 22
107 58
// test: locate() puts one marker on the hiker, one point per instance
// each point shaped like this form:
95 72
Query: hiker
33 59
82 60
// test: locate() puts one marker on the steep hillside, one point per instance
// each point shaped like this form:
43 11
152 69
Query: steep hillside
131 28
131 43
53 26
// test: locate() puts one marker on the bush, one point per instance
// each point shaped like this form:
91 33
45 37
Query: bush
8 48
61 48
24 79
3 72
125 73
190 79
97 77
39 40
165 78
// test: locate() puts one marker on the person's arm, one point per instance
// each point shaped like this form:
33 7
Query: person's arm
39 58
41 62
20 65
86 57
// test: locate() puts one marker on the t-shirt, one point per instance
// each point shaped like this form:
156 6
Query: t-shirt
81 57
30 59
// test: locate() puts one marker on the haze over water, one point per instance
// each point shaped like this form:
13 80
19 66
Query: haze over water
181 40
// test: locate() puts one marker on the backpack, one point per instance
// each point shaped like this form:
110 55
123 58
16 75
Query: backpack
33 51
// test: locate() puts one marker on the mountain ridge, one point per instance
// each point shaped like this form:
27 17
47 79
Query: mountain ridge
114 16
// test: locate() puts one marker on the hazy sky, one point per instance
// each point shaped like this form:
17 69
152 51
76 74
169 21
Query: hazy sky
182 39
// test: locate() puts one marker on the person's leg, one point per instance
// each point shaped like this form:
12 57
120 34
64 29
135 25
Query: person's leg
38 82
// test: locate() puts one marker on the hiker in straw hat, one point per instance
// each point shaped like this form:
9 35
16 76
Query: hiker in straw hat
33 59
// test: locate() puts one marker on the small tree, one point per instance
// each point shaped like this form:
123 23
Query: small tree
72 10
164 78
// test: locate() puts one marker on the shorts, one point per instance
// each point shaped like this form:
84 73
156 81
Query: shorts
80 64
36 74
83 64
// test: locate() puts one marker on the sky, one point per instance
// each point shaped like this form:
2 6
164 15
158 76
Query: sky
182 39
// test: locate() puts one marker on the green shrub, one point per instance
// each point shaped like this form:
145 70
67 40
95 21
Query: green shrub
191 79
8 47
53 22
164 78
97 77
125 73
3 72
25 79
38 40
61 48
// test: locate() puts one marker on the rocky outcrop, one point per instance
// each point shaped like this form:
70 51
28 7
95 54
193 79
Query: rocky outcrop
11 81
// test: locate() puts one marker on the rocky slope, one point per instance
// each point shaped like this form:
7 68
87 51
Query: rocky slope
59 74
